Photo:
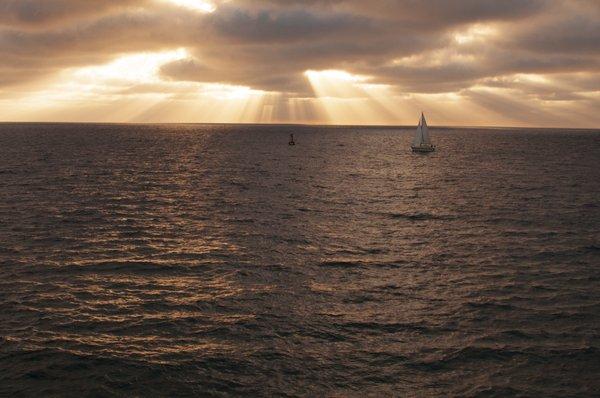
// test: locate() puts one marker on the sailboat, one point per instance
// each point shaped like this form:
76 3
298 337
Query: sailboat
422 143
292 142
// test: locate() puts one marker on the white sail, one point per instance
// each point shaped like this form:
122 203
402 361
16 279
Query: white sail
422 142
417 139
424 131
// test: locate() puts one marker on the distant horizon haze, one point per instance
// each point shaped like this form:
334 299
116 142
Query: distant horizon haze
324 125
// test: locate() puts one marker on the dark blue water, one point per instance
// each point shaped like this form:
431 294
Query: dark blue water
219 261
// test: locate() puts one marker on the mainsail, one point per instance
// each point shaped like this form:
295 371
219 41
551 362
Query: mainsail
422 135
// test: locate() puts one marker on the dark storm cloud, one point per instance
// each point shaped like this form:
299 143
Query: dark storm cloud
579 34
288 26
39 13
431 13
269 44
278 79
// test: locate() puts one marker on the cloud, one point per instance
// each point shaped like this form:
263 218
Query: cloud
43 13
411 46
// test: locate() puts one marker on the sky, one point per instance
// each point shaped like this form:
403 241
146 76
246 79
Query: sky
531 63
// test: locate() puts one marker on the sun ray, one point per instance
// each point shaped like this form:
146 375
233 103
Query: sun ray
348 98
131 88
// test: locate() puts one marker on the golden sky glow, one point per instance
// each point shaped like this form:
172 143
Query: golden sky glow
197 5
301 62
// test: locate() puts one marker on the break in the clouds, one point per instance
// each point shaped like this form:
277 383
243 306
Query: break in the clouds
467 62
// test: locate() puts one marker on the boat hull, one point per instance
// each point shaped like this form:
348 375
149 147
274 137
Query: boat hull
423 149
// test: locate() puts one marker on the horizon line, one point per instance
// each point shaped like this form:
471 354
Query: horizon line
307 125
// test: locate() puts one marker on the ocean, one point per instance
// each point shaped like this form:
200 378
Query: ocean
217 260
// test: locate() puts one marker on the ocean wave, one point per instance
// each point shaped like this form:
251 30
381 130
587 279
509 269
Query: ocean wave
120 266
341 264
420 216
350 264
471 354
490 305
379 327
567 252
